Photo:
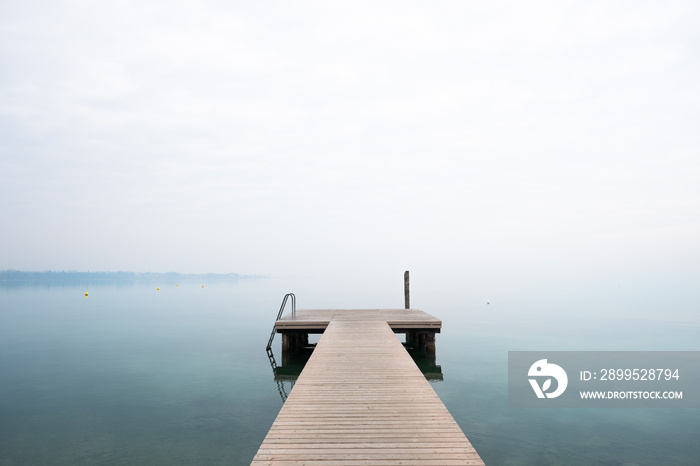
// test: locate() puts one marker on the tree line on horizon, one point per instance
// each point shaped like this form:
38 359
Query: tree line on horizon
20 276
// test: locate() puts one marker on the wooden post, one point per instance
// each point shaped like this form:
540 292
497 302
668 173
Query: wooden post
411 339
426 342
292 341
406 291
422 341
287 342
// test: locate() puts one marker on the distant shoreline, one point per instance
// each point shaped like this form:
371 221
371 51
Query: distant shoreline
19 277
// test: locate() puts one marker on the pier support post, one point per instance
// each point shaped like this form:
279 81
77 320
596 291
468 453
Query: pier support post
426 342
422 340
294 340
291 342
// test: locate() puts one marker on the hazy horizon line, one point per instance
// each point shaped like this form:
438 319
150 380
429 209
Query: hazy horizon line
17 274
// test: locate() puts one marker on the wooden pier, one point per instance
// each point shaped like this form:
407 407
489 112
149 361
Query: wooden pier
361 400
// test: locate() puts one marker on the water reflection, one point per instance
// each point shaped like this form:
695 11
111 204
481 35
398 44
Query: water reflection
426 364
279 379
293 362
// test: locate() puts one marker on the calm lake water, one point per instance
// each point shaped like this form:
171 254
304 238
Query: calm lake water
131 375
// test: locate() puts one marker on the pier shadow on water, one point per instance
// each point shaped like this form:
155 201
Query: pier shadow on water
426 363
293 361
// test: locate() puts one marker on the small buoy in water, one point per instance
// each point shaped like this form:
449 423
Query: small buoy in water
488 302
202 286
86 294
176 285
157 288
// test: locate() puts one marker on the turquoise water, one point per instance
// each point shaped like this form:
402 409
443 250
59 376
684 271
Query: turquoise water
131 375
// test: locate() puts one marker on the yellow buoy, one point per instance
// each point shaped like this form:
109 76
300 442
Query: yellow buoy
176 284
157 288
202 286
86 294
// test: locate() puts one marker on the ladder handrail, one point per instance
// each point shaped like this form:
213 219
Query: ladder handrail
279 314
284 302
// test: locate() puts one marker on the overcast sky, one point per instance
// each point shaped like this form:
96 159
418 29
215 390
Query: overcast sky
310 137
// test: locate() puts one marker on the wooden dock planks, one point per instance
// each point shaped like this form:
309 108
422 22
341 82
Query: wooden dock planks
361 400
398 319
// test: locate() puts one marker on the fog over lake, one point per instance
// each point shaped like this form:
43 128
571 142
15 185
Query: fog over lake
534 165
177 373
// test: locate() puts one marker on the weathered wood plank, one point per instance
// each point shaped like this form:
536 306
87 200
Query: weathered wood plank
397 456
398 319
377 461
361 400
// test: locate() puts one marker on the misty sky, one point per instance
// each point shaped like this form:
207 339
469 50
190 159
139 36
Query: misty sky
308 137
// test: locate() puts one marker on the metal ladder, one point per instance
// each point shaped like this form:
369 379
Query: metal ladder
279 314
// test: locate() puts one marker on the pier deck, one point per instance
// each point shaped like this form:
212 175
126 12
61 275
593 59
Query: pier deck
316 320
361 400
